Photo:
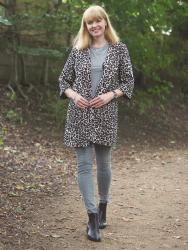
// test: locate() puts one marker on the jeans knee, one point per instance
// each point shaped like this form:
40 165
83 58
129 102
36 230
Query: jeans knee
104 167
84 167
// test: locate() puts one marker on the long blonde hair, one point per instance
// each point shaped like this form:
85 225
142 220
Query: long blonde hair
83 39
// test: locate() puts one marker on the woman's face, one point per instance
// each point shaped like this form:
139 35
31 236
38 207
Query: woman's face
96 27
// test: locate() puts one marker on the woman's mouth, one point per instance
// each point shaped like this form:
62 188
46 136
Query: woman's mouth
95 30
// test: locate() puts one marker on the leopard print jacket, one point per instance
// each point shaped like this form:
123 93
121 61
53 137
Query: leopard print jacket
97 125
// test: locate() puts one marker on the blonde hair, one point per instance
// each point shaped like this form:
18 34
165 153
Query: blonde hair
83 39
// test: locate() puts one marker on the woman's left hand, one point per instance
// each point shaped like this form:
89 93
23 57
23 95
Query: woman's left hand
101 100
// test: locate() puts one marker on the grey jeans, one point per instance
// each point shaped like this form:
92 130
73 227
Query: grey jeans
85 175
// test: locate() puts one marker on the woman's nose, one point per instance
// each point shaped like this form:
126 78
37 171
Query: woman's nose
94 24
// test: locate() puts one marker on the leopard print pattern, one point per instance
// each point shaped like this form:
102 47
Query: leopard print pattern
97 125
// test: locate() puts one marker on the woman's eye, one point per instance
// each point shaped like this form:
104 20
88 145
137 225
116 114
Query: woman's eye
98 20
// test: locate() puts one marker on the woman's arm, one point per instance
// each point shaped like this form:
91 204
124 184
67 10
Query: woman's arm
126 77
67 75
66 79
80 101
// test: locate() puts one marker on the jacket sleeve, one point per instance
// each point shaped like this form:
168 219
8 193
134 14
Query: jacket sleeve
126 73
67 75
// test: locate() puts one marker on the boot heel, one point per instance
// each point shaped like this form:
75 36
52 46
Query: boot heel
102 215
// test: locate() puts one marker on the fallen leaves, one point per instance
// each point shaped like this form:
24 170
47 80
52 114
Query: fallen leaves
53 235
30 170
20 187
177 237
127 219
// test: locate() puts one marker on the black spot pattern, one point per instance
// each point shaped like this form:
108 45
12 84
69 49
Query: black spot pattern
95 125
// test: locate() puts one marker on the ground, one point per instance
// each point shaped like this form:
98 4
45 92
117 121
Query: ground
148 207
41 207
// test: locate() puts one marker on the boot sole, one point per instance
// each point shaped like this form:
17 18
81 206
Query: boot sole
103 225
92 239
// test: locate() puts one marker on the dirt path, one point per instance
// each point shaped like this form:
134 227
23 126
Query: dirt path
148 207
40 205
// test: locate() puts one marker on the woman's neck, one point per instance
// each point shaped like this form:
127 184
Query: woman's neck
98 42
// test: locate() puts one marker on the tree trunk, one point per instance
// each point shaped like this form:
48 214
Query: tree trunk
23 79
46 66
14 75
44 72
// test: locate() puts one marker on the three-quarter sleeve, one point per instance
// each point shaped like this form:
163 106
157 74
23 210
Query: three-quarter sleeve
67 75
126 77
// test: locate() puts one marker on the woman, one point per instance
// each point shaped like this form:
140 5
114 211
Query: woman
97 72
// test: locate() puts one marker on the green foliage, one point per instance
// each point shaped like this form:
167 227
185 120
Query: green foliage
12 95
49 53
154 31
156 95
58 111
144 101
4 21
14 116
2 136
56 108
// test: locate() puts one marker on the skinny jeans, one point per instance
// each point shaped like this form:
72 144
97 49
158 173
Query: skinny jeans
84 157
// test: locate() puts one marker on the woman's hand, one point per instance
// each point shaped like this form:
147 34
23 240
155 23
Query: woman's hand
80 101
101 100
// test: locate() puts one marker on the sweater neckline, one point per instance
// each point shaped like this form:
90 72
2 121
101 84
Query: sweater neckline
104 46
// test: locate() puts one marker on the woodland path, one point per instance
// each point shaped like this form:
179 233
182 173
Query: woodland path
148 207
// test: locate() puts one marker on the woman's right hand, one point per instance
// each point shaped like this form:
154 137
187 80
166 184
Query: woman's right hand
80 101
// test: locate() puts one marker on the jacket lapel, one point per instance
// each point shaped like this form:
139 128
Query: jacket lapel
107 71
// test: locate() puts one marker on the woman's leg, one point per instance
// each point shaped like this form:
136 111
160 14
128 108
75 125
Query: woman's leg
104 173
85 178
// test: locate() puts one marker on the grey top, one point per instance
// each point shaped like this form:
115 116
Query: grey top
98 56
